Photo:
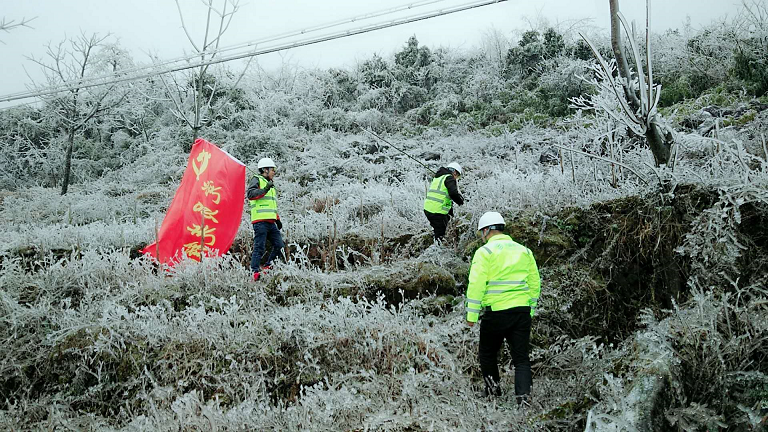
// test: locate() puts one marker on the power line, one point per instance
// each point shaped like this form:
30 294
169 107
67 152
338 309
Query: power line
347 33
396 148
213 53
156 68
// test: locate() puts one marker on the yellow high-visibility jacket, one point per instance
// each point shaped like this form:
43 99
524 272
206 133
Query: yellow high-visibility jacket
438 200
503 275
265 207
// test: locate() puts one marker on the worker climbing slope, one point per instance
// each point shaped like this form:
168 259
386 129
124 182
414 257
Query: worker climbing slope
442 193
504 285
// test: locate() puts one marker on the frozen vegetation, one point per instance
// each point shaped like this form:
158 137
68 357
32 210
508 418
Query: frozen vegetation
654 287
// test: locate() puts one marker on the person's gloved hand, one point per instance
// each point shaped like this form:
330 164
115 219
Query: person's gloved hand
269 185
280 226
532 311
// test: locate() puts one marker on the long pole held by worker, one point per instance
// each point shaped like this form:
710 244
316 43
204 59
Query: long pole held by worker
393 146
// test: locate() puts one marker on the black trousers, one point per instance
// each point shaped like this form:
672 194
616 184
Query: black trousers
439 223
514 325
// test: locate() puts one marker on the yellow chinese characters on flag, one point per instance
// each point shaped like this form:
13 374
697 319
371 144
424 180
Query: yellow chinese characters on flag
206 211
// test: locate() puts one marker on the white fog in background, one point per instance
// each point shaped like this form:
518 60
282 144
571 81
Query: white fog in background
153 26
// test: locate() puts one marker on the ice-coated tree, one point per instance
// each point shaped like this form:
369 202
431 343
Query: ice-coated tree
66 65
639 101
526 56
198 95
376 73
533 48
750 62
495 46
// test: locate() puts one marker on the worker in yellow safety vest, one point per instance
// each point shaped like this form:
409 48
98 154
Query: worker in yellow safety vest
504 287
442 193
262 200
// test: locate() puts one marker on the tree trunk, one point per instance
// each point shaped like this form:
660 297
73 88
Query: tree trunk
198 108
187 146
68 160
621 59
659 142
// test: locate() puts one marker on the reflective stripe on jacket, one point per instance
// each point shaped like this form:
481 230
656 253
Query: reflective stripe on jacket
503 275
438 200
264 208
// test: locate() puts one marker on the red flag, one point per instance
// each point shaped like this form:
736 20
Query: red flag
206 211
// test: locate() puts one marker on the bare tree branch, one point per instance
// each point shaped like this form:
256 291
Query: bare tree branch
609 76
79 106
7 26
179 111
648 62
184 27
611 161
202 112
638 65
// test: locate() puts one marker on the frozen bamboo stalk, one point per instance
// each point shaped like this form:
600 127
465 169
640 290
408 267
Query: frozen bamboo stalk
381 241
744 167
612 145
717 137
573 165
621 166
613 168
157 242
517 167
605 160
202 235
334 263
717 134
327 260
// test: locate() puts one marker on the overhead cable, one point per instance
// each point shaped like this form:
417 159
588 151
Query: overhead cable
214 52
120 77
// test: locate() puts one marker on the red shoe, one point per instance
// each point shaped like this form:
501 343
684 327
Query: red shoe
256 276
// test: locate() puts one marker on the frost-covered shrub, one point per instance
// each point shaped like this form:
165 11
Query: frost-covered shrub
561 83
363 327
374 119
377 99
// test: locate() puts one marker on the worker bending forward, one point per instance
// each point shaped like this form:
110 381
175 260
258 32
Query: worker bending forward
504 284
442 193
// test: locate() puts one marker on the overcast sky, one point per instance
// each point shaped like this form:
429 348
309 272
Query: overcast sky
154 26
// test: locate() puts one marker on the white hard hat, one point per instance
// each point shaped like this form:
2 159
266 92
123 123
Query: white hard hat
490 218
265 163
455 166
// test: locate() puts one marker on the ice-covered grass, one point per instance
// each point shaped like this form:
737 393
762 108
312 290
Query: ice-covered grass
106 342
95 339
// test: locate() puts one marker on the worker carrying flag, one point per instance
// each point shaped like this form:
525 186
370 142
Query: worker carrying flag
205 213
262 199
